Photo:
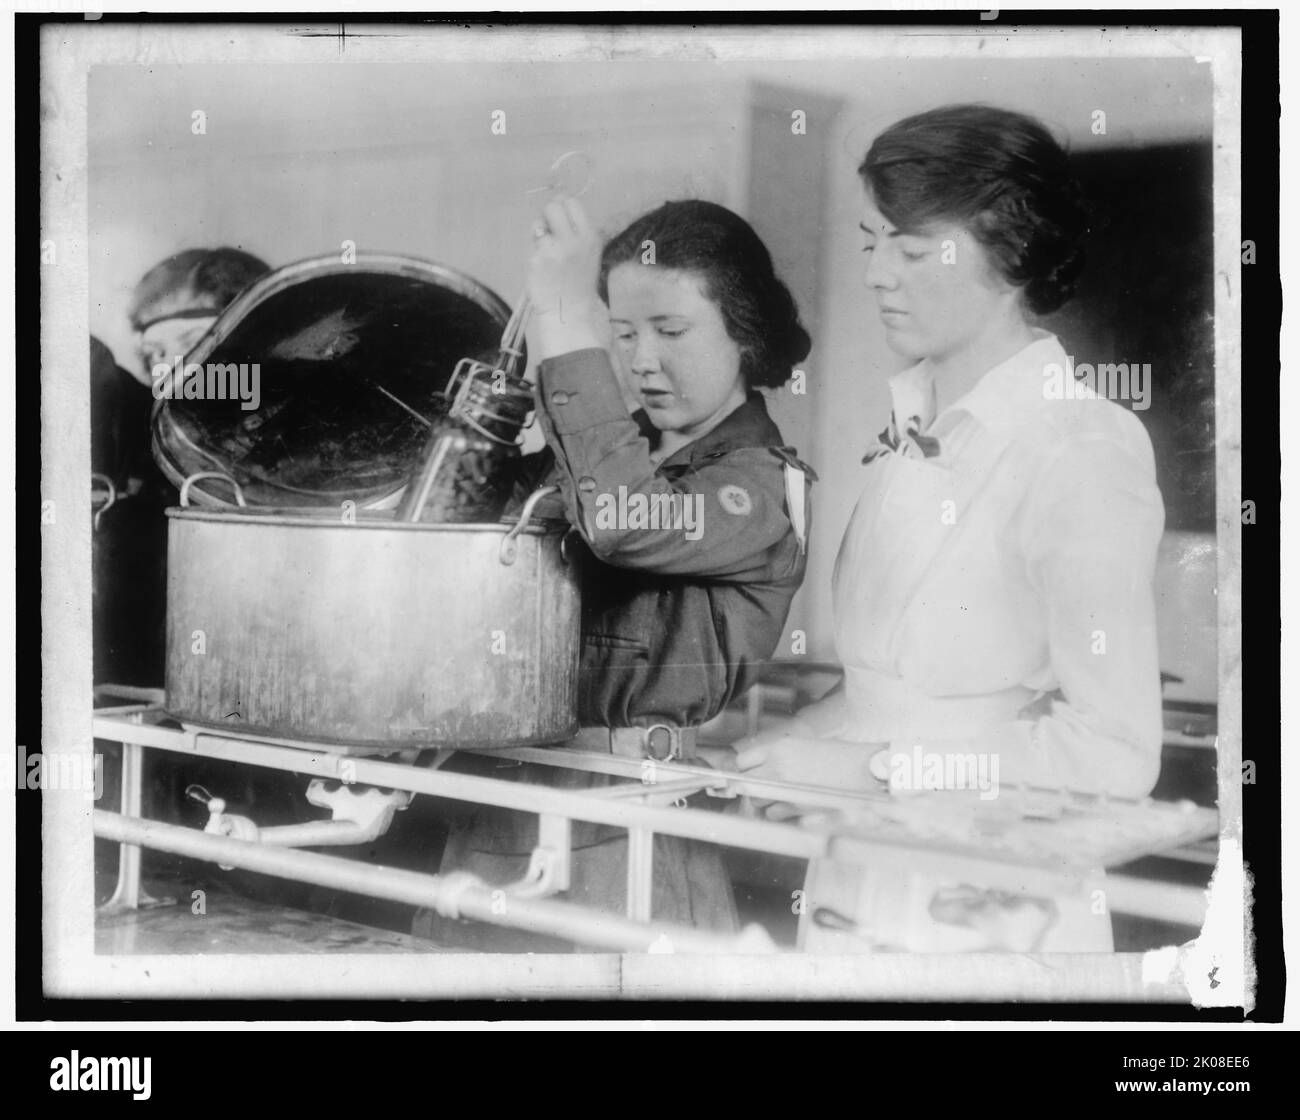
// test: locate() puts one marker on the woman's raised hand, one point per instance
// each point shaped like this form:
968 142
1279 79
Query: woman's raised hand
562 277
565 264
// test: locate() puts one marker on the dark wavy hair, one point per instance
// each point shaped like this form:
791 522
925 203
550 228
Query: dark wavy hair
722 248
998 173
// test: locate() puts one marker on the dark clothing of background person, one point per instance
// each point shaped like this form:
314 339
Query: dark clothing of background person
170 308
672 639
129 549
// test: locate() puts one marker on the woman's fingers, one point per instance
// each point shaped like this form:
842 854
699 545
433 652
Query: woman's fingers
750 754
565 220
794 728
558 221
719 758
577 216
819 762
565 264
783 811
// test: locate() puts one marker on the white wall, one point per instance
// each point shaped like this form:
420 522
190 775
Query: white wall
298 158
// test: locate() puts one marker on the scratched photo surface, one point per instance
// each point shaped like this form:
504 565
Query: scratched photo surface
520 622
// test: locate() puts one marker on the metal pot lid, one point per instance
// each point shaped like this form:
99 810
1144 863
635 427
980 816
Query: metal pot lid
320 382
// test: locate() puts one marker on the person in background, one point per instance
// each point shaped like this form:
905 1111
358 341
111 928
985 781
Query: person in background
178 299
171 308
993 594
675 623
128 560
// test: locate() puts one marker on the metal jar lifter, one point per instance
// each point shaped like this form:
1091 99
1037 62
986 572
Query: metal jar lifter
319 614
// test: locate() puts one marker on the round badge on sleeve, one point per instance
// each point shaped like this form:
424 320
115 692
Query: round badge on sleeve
735 499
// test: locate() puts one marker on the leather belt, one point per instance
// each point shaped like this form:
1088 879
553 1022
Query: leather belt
663 742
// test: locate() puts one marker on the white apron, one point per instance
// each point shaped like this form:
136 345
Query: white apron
901 523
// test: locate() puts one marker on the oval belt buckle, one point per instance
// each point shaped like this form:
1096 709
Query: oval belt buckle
663 742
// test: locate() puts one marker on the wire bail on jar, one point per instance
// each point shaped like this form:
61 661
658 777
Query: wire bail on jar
493 401
489 402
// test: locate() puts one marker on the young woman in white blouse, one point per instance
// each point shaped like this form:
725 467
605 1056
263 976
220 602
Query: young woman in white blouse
993 591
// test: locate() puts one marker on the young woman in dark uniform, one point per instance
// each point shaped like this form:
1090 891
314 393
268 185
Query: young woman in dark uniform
679 613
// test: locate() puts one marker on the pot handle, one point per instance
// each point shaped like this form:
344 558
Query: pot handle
185 486
111 501
564 544
509 549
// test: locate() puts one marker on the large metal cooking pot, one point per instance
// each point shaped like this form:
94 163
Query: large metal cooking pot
297 606
373 632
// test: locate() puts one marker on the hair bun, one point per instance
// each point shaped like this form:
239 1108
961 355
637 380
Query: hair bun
795 342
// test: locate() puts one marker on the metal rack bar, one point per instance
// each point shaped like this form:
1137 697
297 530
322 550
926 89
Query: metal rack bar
444 893
1149 898
129 894
635 808
716 828
719 783
640 873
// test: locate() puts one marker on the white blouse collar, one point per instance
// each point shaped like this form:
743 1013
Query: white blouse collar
1008 394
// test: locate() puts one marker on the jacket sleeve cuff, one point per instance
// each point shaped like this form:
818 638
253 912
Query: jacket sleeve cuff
579 390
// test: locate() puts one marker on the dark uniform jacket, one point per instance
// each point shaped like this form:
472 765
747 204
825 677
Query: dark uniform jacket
673 627
677 620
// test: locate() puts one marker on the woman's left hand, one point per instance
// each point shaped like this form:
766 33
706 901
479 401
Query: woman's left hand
834 763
